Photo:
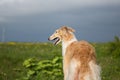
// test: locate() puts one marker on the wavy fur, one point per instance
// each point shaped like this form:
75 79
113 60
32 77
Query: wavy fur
79 59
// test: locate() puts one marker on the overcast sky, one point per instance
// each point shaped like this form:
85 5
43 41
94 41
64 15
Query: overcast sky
35 20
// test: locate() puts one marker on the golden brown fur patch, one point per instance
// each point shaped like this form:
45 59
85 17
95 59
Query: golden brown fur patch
83 52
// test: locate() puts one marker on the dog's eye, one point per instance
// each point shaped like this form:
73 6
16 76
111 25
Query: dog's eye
56 32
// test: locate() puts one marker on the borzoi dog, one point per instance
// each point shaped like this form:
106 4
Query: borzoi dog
79 59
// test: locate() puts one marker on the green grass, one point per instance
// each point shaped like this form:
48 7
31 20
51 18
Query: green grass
110 65
12 56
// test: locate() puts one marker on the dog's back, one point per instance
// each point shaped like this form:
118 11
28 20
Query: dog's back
81 62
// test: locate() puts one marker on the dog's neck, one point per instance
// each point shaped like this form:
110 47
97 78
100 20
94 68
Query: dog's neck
65 44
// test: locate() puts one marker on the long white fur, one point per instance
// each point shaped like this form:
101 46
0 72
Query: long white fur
66 44
95 71
71 70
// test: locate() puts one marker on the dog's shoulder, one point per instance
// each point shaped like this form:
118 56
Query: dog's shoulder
81 49
80 44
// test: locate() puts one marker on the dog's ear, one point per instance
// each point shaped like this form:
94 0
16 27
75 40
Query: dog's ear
68 28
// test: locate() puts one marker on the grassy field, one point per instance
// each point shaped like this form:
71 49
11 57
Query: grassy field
13 54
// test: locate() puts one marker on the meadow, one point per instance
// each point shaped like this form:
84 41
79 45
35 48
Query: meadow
43 61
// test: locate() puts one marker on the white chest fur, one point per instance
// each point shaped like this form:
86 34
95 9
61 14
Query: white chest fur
66 44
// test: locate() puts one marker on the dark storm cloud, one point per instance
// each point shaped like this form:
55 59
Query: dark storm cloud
35 21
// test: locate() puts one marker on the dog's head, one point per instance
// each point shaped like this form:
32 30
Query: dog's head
63 33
